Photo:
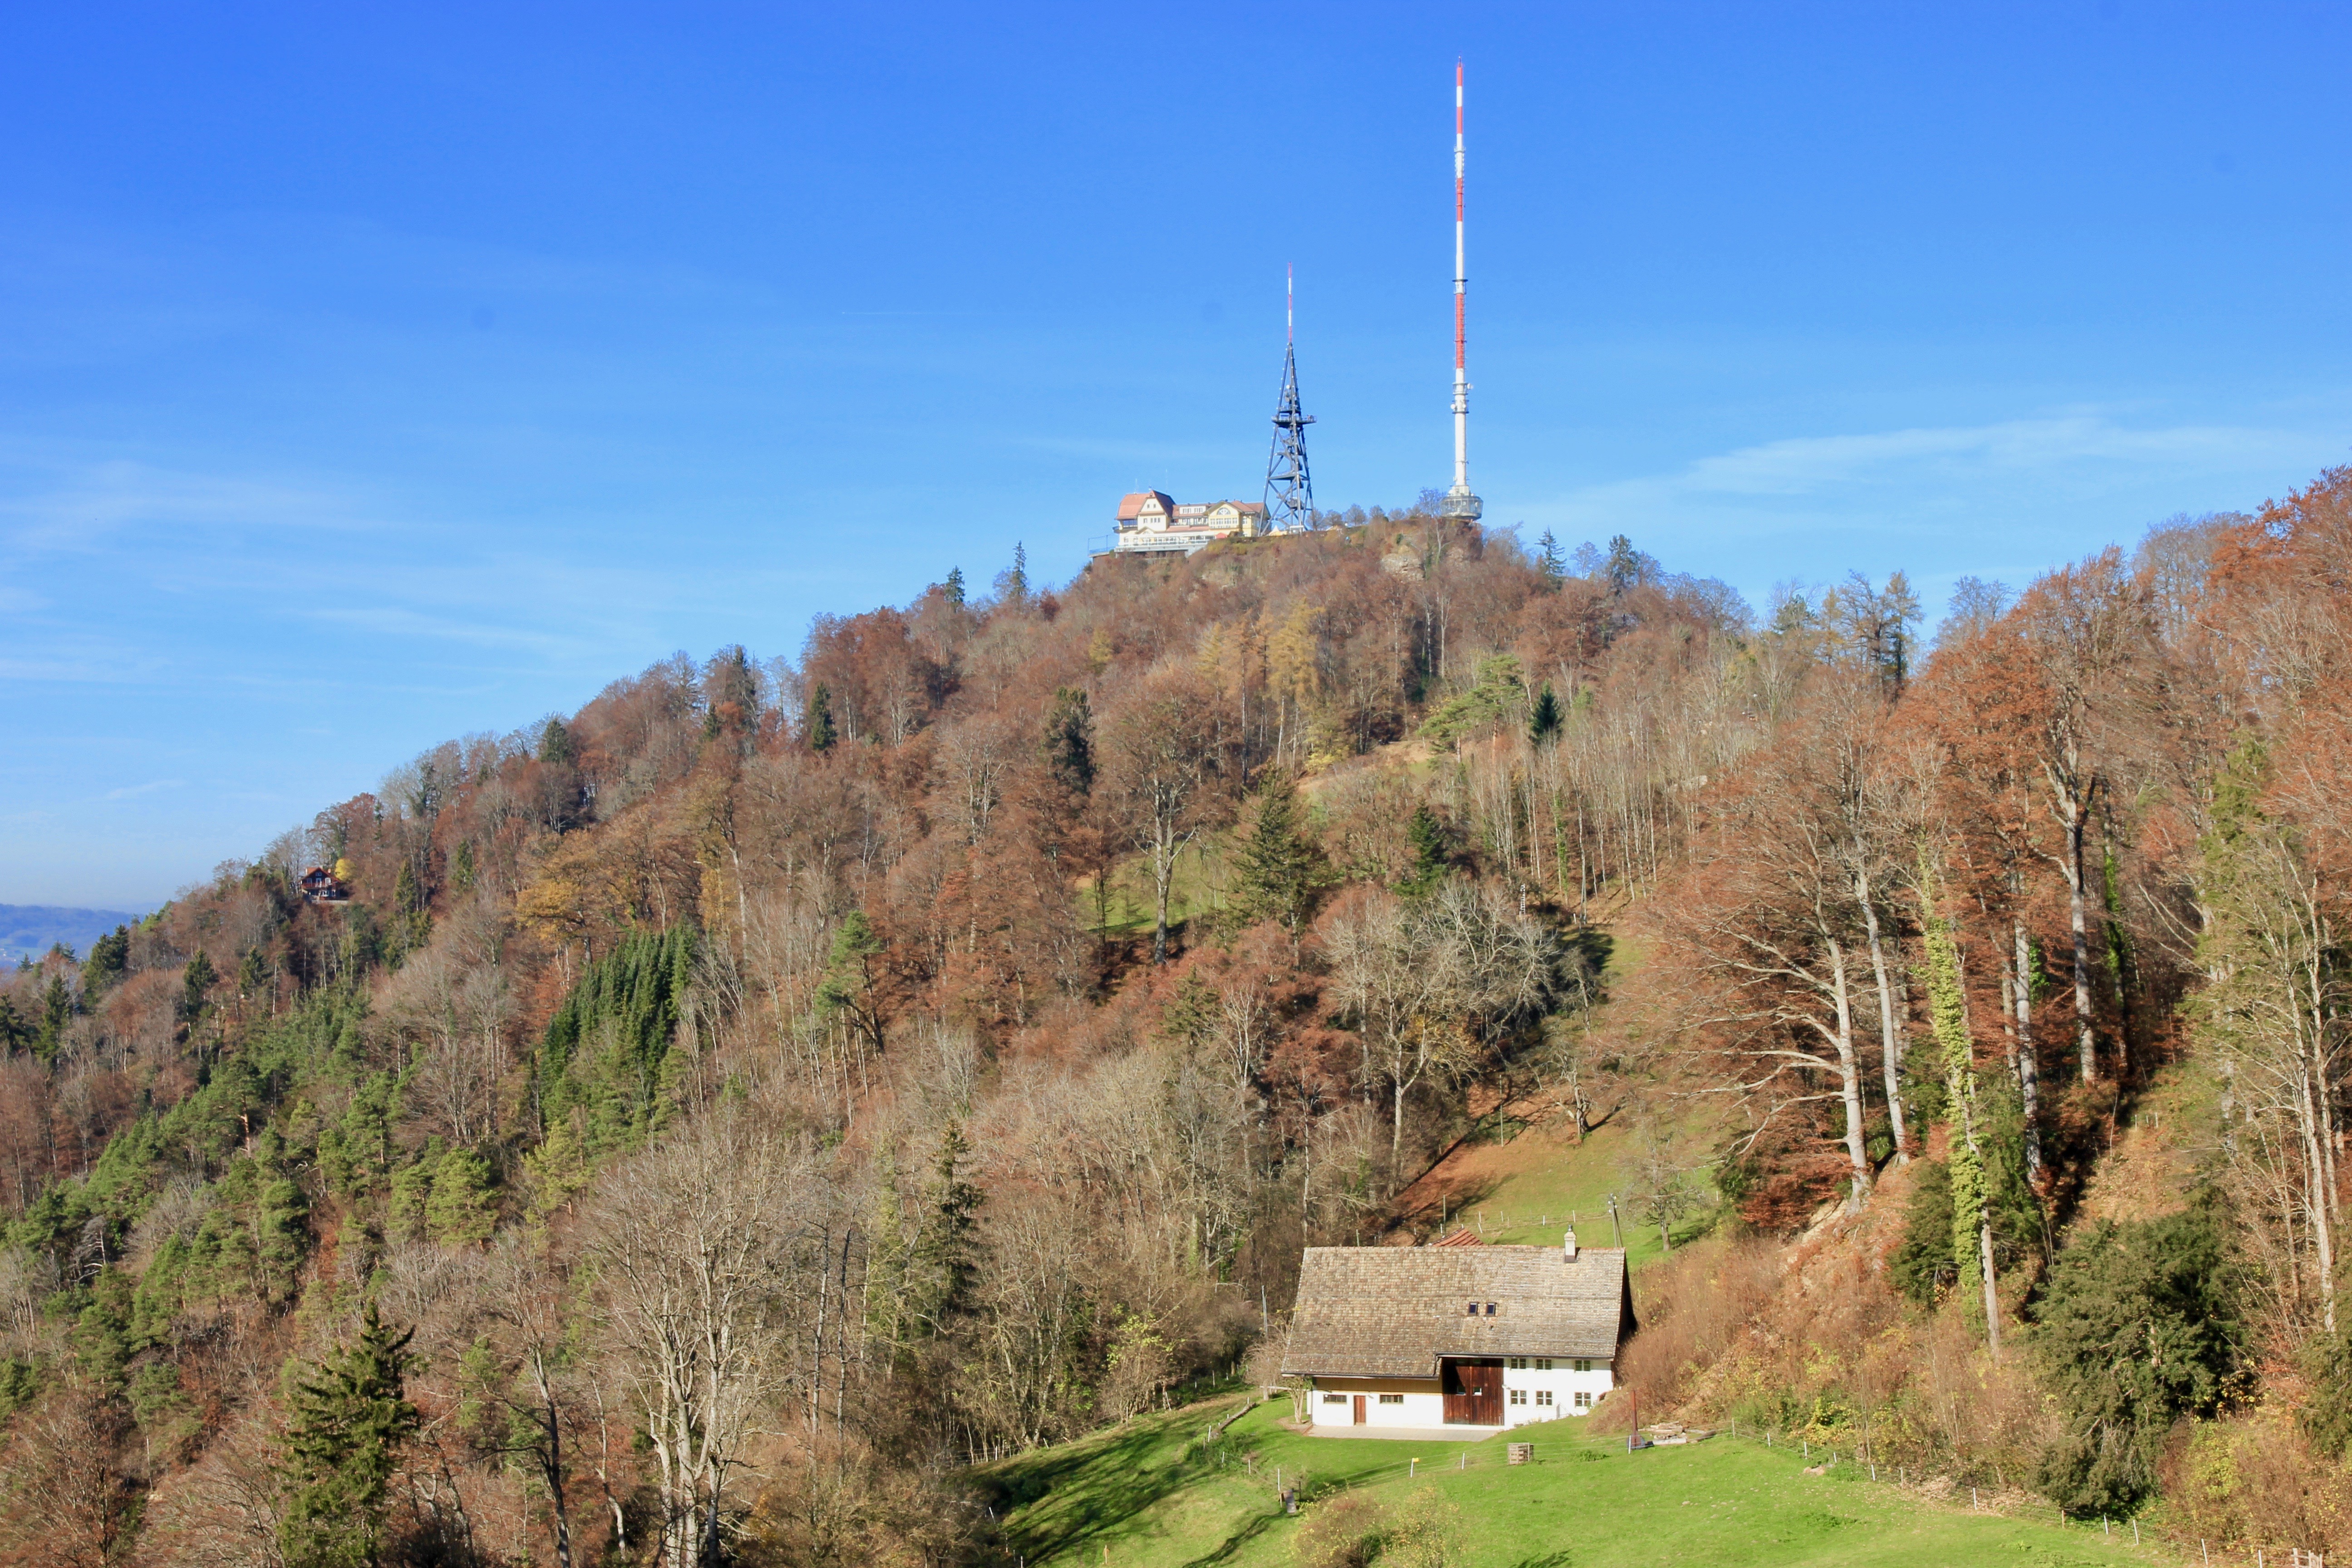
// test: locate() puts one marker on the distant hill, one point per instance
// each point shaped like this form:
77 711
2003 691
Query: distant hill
29 930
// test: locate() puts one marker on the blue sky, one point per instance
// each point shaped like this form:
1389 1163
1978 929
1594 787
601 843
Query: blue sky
370 376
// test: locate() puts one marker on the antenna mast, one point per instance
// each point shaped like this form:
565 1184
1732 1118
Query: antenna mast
1459 503
1289 492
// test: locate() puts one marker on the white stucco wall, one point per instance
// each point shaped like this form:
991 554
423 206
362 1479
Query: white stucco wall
1416 1401
1527 1377
1420 1402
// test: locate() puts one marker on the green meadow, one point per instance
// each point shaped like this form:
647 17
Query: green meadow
1157 1493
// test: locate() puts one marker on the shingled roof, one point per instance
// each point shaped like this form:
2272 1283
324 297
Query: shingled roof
1392 1312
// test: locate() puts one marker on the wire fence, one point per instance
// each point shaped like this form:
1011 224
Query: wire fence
1552 1448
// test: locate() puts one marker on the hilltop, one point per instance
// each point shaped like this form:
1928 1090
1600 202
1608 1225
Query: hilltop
770 1090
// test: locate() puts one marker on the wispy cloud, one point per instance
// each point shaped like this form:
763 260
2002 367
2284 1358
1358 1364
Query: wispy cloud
130 790
2012 474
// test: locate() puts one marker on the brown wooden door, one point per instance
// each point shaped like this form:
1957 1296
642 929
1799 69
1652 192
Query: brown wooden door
1359 1410
1474 1393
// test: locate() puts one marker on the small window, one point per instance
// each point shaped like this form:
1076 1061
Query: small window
1518 1364
1543 1396
1335 1399
1584 1400
1490 1308
1518 1396
1584 1366
1391 1399
1472 1309
1543 1363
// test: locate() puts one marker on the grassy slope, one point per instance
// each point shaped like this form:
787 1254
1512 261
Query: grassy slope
1148 1494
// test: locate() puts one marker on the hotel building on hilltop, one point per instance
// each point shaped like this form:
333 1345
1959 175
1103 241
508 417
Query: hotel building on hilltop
1151 522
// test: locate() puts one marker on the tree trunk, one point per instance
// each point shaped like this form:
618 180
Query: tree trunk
2085 1041
1890 1036
1991 1293
1850 1080
2028 1085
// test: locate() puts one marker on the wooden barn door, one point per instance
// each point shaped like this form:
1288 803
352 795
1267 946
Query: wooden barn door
1474 1393
1359 1410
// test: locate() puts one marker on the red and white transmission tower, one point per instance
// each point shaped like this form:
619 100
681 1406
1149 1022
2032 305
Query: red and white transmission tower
1459 503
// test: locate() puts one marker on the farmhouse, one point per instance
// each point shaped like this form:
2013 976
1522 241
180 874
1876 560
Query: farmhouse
1477 1337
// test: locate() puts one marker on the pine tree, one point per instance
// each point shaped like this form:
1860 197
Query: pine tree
1280 868
109 961
458 1211
1549 562
555 743
945 1257
463 871
342 1446
56 1012
1425 834
819 725
953 586
1069 744
1544 719
196 981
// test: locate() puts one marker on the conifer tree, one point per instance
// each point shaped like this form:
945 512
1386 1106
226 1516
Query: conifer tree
818 727
946 1255
342 1448
109 961
953 586
1547 560
1280 868
56 1012
1425 834
555 743
1069 740
458 1211
196 981
1544 719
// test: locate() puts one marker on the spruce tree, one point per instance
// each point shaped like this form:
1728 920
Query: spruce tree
1547 560
195 982
342 1443
109 961
56 1012
945 1257
1545 718
953 586
1425 834
818 728
1280 868
555 743
1069 744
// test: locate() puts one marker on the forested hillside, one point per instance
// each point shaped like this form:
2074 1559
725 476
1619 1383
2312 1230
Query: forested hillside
716 1117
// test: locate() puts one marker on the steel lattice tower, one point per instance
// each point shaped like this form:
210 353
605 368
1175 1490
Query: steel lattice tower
1289 492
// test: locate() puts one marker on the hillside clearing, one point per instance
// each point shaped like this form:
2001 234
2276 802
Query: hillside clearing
1153 1493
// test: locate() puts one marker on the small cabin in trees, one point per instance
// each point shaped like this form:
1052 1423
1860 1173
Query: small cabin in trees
321 886
1476 1337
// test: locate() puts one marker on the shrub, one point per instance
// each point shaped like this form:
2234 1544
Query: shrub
2138 1329
1343 1531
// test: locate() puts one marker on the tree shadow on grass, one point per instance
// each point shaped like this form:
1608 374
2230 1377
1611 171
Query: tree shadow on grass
1233 1543
1076 1496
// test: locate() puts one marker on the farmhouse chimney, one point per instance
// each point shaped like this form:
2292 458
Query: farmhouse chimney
1568 1245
